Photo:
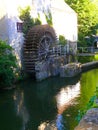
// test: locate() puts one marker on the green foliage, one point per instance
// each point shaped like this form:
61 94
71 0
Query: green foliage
87 17
7 65
85 59
91 104
96 57
28 21
48 17
26 18
62 40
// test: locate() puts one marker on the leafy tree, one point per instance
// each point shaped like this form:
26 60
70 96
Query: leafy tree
7 65
28 21
87 16
26 18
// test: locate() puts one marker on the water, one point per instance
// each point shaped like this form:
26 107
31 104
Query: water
50 104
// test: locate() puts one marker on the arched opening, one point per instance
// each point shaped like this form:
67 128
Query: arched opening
96 44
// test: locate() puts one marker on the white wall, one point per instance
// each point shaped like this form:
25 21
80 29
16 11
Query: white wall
3 22
64 18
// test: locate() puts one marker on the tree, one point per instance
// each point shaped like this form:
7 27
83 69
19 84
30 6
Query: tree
87 16
7 65
28 21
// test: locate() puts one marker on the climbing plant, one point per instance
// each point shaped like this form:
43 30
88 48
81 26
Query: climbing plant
7 65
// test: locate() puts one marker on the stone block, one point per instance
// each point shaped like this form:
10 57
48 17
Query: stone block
70 70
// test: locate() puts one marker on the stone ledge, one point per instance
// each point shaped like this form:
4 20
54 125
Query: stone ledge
70 70
89 121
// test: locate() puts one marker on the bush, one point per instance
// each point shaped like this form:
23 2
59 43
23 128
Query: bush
62 40
7 65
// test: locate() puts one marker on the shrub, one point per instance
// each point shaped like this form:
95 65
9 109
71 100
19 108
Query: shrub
7 65
62 40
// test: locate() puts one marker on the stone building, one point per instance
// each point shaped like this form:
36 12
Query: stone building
64 20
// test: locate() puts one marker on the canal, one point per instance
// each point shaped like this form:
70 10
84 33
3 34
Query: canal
51 104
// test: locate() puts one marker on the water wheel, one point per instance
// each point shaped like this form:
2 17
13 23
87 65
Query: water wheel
39 41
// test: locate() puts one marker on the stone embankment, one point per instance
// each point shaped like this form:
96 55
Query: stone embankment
89 65
58 66
70 70
73 69
50 67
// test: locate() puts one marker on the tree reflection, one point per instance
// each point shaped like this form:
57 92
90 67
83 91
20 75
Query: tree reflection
20 107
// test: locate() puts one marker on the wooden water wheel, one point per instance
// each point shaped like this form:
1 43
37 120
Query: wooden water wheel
39 40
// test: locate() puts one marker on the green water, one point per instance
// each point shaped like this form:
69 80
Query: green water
31 104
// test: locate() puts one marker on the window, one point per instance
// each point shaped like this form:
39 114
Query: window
19 27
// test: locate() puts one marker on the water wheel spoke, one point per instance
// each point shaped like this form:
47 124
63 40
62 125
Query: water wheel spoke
38 44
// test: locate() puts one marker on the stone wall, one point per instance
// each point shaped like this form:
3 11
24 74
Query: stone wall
50 67
70 70
56 66
89 65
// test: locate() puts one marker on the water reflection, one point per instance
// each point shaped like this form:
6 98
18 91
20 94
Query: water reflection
21 110
63 98
35 106
66 95
49 105
57 124
60 124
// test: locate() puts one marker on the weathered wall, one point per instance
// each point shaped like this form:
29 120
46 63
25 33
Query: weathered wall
56 66
3 22
50 67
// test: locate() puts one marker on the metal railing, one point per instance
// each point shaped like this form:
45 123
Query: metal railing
58 50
